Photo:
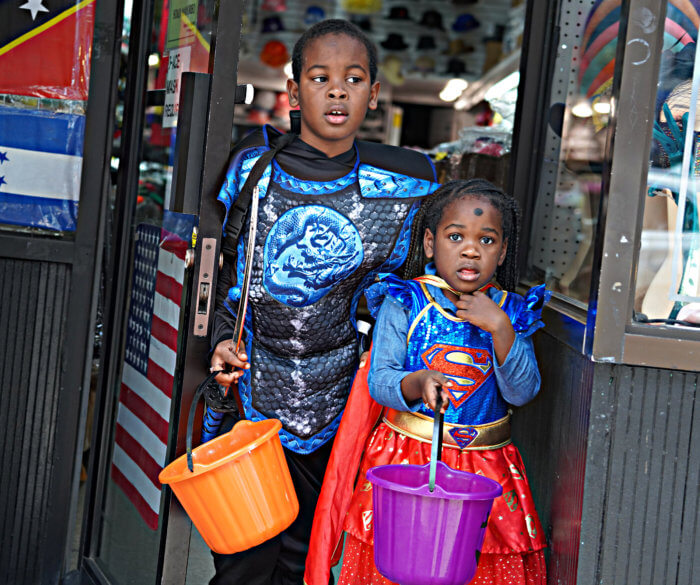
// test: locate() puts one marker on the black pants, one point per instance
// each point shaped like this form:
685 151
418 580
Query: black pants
280 560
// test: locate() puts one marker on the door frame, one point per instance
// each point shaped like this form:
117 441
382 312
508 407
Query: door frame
199 199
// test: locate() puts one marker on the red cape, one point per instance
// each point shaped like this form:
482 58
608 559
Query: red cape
360 417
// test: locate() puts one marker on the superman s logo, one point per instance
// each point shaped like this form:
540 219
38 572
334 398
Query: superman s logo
467 367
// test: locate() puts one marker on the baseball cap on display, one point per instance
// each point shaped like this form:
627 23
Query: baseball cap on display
272 24
274 54
313 15
274 5
465 23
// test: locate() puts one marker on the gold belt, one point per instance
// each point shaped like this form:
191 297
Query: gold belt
420 427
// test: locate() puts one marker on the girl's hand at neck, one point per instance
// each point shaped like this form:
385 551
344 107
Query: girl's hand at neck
478 309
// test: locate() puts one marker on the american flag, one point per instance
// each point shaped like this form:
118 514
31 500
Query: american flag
150 354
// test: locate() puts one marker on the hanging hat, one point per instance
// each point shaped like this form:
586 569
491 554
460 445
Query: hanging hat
458 47
274 5
361 21
313 15
391 69
271 24
394 42
399 13
456 67
432 19
361 6
424 64
426 43
274 54
465 23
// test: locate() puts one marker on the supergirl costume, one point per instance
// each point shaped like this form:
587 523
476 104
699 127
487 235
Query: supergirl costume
326 228
416 329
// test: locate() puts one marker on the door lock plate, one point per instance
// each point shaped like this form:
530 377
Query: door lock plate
204 287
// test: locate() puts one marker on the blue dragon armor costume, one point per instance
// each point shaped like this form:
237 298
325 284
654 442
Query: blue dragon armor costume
319 245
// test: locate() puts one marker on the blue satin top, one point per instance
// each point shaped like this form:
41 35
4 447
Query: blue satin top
417 329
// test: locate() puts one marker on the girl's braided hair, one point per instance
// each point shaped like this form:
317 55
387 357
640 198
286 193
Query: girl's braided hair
431 213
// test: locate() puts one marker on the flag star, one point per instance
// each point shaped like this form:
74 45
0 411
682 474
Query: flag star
3 157
34 6
2 181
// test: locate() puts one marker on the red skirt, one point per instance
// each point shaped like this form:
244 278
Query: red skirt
513 527
513 569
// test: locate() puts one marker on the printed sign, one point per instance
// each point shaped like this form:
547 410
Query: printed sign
182 22
178 61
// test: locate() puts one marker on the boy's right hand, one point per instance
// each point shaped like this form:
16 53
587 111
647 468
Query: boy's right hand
424 385
224 355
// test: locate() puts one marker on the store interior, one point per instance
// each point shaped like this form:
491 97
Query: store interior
448 72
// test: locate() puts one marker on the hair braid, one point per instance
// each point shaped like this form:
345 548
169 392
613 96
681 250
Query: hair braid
415 258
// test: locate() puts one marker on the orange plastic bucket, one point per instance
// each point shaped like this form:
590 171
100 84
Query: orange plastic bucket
239 493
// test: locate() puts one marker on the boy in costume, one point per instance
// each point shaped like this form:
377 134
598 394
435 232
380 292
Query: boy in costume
334 212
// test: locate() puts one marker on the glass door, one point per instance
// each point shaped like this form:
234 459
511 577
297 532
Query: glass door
171 144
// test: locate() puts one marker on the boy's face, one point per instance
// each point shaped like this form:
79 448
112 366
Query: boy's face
334 92
468 244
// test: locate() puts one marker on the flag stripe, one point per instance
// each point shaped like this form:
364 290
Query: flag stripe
41 212
149 516
150 419
160 378
133 425
169 287
137 478
150 394
171 265
53 132
137 453
162 354
167 310
163 333
174 245
41 174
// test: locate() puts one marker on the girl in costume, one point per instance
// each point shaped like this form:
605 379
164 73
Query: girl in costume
455 331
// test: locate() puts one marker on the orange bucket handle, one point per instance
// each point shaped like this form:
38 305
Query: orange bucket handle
190 418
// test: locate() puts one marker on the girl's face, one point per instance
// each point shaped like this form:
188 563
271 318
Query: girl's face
334 92
468 243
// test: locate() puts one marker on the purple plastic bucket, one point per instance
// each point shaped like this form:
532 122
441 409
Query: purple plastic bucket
429 538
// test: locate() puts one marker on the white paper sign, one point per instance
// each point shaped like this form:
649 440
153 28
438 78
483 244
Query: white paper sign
178 61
